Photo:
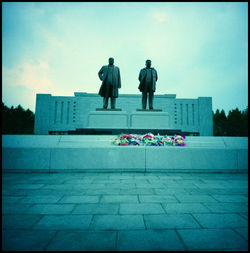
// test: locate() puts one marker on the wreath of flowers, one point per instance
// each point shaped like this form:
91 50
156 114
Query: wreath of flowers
148 140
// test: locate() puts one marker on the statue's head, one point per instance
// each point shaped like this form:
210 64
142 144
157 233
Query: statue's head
111 61
148 63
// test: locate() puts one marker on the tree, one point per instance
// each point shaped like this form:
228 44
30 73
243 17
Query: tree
235 126
245 122
17 120
219 123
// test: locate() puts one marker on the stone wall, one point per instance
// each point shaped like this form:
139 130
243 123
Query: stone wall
61 113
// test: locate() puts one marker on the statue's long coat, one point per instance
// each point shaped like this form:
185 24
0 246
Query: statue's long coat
116 81
142 77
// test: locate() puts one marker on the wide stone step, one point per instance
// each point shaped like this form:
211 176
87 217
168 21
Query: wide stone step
96 153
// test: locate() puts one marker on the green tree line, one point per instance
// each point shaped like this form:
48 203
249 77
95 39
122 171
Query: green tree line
17 120
235 124
20 121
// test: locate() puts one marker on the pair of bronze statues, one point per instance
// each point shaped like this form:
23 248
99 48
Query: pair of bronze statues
111 82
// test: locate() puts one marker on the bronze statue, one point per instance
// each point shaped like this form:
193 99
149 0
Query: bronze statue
111 82
147 77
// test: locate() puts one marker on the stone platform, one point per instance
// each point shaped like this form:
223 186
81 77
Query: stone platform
84 153
124 211
118 119
107 119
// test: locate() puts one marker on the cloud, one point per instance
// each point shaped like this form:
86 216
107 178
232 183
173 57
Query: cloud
159 16
30 75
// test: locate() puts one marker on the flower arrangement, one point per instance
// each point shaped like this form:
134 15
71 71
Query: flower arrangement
148 140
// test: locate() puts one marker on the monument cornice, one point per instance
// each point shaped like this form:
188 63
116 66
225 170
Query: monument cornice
85 94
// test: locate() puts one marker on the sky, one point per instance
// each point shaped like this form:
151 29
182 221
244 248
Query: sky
198 49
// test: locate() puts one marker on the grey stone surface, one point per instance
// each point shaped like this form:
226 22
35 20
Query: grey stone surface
170 221
97 153
83 241
212 239
117 222
143 208
10 208
29 158
64 222
242 231
231 198
22 221
206 158
175 208
50 209
96 208
157 199
39 199
195 198
80 199
220 220
124 216
150 120
119 199
149 240
25 240
97 158
227 207
107 119
60 113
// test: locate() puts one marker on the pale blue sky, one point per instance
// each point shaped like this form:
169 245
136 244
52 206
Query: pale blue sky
198 49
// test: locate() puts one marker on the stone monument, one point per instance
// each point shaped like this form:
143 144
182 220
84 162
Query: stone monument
111 82
147 77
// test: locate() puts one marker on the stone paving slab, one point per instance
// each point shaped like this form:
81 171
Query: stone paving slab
175 208
242 231
215 220
124 211
50 209
230 198
170 221
157 199
80 199
96 208
64 222
39 199
149 240
19 221
119 199
83 241
25 240
142 208
212 239
10 208
195 198
227 207
117 222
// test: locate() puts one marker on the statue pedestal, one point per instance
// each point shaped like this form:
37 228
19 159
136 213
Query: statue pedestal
108 109
149 110
150 119
108 118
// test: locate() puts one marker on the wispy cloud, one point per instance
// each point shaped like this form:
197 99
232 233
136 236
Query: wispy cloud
198 49
31 75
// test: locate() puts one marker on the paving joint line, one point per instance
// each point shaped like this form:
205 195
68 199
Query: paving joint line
196 221
51 239
116 240
234 229
90 224
143 217
181 240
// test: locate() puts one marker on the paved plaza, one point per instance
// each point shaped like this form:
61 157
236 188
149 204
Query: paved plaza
124 211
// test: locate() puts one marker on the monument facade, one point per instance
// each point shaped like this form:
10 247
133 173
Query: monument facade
70 114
